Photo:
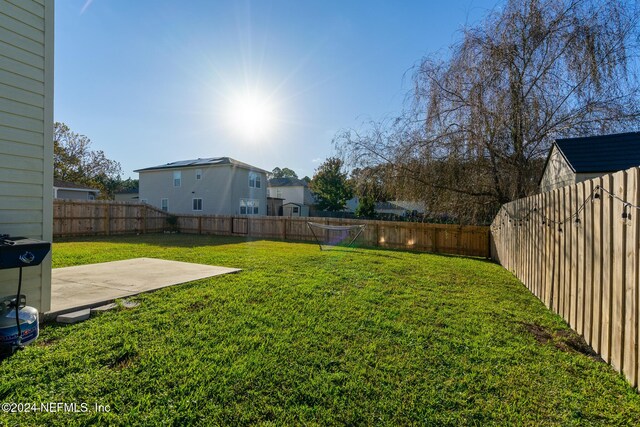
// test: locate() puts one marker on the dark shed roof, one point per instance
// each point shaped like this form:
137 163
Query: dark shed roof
605 153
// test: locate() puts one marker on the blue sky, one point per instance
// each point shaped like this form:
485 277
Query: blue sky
155 81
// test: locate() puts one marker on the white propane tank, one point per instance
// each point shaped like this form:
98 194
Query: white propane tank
28 326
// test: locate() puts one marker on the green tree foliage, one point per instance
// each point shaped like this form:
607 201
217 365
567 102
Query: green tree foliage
366 207
74 161
331 186
283 173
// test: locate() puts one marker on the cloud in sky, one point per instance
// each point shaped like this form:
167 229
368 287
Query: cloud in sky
316 160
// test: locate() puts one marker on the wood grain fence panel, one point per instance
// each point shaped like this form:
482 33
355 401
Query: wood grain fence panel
607 268
566 258
630 285
588 246
598 261
559 254
549 248
618 287
577 282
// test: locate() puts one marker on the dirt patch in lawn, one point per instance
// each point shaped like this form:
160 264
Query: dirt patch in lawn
564 340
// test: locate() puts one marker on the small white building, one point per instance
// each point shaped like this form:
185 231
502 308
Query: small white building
72 191
210 186
130 195
574 160
297 198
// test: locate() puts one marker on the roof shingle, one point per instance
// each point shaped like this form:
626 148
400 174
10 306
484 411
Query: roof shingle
605 153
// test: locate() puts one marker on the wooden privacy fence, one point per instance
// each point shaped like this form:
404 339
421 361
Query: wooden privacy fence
442 238
99 217
576 249
77 218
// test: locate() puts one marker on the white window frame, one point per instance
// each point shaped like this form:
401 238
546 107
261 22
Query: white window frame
254 180
177 178
250 206
193 204
198 174
164 204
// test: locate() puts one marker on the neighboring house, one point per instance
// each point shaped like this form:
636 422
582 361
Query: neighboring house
130 195
211 186
392 207
26 137
400 207
574 160
294 191
73 191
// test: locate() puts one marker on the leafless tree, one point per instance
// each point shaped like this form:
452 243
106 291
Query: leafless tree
480 122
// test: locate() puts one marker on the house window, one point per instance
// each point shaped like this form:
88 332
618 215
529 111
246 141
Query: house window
177 178
249 207
164 205
296 209
92 196
254 180
197 204
198 174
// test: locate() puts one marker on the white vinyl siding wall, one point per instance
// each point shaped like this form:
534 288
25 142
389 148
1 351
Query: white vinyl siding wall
26 136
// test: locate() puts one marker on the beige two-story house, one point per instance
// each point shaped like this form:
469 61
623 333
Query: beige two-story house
209 186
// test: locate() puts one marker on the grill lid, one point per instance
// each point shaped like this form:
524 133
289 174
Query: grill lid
22 251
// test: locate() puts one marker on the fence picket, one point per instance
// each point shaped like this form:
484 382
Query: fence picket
587 272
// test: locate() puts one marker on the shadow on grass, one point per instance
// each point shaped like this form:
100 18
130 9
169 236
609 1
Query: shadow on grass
183 240
175 240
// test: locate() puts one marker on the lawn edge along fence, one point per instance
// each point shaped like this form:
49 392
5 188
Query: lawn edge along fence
94 218
576 249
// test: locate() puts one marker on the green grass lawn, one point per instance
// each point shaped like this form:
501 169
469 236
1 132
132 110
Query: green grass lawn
303 337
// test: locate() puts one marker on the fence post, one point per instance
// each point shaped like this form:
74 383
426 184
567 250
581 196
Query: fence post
435 240
284 228
143 215
107 219
199 225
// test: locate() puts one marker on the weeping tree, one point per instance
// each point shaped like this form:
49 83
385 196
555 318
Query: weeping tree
480 122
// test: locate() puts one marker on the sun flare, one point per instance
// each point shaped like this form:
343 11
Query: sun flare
251 117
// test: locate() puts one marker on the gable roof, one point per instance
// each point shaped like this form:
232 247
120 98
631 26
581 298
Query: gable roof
210 161
68 185
604 153
287 182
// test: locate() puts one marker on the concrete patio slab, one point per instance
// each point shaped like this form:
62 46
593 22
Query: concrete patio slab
92 285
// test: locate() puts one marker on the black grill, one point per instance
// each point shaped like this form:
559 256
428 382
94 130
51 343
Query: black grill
21 251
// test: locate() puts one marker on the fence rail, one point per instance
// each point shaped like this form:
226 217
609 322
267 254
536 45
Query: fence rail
576 249
76 218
